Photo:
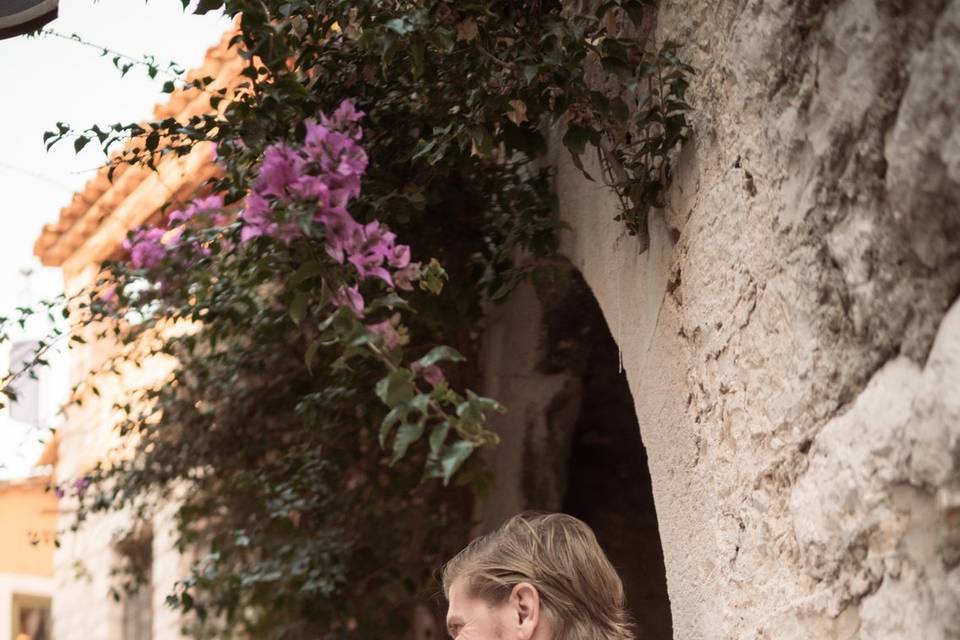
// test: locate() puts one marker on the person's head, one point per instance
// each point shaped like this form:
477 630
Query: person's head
537 577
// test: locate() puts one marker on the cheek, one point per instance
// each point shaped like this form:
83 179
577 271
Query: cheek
502 624
491 624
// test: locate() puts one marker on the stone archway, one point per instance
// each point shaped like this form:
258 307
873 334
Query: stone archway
608 487
571 440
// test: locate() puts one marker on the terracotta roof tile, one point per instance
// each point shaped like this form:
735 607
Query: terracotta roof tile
100 200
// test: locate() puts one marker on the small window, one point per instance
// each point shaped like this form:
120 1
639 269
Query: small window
31 617
26 407
135 573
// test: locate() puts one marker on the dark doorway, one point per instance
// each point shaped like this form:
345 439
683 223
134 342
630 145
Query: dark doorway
607 478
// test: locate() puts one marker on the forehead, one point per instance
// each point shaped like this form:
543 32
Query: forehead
460 602
457 595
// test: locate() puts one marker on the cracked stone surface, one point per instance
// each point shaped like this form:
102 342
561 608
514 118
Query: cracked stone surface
791 336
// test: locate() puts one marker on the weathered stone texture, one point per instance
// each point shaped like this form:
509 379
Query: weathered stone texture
801 421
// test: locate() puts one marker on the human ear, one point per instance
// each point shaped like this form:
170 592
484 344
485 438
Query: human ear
526 600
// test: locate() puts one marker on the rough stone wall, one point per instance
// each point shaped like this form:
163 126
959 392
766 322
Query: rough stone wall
801 421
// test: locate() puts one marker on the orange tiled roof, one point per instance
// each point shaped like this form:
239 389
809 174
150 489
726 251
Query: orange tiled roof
99 216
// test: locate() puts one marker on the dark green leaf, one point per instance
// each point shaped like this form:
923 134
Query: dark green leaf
440 354
206 6
453 457
396 388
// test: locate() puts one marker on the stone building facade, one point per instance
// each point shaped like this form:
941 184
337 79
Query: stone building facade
790 335
89 230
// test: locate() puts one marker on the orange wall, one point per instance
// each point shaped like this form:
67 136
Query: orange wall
27 512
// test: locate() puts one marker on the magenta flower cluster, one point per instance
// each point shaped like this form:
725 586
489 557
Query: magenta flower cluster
149 245
322 176
317 178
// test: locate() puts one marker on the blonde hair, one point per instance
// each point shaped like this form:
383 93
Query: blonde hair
559 555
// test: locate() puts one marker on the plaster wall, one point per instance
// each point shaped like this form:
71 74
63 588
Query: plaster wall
790 335
28 512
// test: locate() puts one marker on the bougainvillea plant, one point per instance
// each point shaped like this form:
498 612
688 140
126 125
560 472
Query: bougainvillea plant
322 298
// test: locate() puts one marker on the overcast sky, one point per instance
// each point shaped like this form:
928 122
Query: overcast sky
47 80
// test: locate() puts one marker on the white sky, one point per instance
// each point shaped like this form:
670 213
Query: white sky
47 80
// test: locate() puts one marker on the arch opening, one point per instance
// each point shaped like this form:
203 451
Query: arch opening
609 488
586 457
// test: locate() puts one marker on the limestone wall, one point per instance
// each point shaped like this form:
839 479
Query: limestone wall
794 366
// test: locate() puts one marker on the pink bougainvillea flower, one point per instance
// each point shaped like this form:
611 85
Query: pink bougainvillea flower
376 240
341 229
256 210
387 330
198 206
315 138
433 375
312 188
399 257
326 171
349 297
345 116
256 217
280 168
108 295
210 203
248 233
351 162
404 278
146 247
179 217
172 238
80 485
370 267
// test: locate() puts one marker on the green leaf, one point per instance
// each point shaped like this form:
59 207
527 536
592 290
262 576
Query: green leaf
440 354
472 410
442 39
530 73
298 308
80 143
399 26
438 436
619 111
391 420
389 301
578 163
153 140
306 271
406 435
396 388
432 277
417 54
311 354
576 138
206 6
453 457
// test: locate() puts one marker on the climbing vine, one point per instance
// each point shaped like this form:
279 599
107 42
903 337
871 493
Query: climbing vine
320 299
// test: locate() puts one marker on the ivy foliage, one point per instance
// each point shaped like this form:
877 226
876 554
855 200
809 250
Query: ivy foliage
316 441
